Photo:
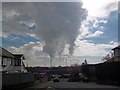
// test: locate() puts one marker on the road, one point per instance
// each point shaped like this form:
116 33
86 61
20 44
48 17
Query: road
64 85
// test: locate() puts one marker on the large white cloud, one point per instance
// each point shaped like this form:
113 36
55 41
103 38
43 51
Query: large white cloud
98 12
34 54
100 8
29 51
86 48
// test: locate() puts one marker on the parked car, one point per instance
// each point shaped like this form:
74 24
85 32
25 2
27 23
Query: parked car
56 79
85 79
78 79
74 79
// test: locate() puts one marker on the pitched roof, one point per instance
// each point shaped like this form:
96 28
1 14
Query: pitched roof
118 47
5 53
18 56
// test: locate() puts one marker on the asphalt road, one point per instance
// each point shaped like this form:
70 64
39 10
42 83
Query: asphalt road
76 85
64 85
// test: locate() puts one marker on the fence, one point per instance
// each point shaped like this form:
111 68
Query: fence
12 79
109 71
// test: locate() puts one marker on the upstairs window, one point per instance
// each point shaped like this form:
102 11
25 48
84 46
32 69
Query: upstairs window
4 62
12 61
117 52
17 62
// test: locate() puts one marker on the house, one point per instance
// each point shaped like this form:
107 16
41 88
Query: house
14 74
11 63
17 64
116 53
5 58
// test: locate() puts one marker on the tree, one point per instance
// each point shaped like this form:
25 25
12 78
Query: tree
75 70
85 68
108 57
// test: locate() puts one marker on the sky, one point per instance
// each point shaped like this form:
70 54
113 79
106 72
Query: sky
74 31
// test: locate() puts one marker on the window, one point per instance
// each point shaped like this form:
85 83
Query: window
12 61
17 62
0 61
4 62
117 52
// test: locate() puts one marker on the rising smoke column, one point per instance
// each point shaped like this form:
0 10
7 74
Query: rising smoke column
58 23
60 26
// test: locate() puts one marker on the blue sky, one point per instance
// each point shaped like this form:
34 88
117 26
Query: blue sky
99 31
17 40
110 30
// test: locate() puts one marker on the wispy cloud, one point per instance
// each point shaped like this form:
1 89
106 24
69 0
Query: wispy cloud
95 34
3 35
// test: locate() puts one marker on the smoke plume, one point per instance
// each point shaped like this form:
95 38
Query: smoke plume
57 23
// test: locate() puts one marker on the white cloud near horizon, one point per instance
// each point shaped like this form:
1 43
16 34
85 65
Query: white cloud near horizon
29 51
86 48
33 52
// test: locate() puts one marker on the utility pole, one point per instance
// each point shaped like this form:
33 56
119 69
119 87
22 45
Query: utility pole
50 61
27 64
66 61
54 64
60 60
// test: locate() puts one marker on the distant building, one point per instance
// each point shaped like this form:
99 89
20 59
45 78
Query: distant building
11 63
116 53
